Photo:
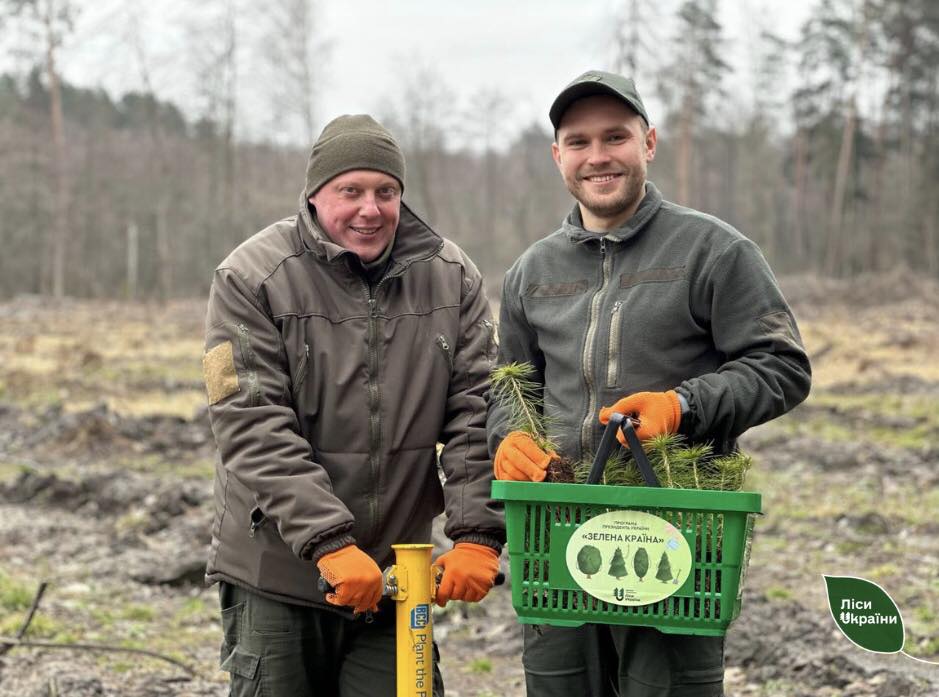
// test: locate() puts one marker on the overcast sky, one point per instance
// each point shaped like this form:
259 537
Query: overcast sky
527 49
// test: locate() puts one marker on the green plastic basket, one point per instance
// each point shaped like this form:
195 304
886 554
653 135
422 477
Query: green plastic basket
540 519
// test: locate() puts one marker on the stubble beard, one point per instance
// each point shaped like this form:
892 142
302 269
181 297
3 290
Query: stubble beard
633 188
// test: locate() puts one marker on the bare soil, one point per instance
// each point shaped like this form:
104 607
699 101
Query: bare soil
105 491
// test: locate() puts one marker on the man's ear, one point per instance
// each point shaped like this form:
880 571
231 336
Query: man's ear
651 141
556 154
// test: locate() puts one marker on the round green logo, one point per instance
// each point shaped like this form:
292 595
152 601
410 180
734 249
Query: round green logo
628 557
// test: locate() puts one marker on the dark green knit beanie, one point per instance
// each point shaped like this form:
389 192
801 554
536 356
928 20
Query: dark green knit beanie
353 142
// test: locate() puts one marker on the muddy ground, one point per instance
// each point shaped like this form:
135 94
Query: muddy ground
105 492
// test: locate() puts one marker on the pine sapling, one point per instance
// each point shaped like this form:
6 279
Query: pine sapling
514 387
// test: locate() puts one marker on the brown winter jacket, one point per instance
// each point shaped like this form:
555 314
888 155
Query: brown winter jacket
329 395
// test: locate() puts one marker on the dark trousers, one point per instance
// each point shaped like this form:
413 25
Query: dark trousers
276 649
597 660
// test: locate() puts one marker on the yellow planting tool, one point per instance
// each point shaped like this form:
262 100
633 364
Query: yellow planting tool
412 583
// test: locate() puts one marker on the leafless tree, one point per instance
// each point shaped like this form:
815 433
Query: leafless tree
51 21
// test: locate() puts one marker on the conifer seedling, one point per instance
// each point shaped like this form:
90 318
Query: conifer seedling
676 463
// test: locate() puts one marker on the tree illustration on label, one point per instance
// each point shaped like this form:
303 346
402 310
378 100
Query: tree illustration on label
641 563
589 560
664 572
618 565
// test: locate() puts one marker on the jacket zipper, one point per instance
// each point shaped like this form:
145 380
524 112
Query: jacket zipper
374 400
301 372
254 388
257 520
374 406
445 347
491 345
612 360
586 429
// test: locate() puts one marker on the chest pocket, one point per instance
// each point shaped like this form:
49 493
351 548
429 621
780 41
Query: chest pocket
656 303
550 306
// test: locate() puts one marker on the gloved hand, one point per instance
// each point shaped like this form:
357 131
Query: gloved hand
469 570
657 413
355 576
519 459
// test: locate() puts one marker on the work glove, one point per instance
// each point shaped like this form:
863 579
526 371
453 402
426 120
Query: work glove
355 576
520 459
469 570
656 412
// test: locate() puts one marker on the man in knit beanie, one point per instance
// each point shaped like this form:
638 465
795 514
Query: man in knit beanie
342 345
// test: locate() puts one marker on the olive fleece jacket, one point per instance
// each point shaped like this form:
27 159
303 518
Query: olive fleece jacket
673 299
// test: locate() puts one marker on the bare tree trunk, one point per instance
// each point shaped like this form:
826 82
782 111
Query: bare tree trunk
426 166
164 266
835 252
880 248
931 239
683 163
228 137
292 82
628 43
133 261
60 226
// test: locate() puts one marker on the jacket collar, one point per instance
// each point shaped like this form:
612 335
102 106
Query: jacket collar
413 240
573 225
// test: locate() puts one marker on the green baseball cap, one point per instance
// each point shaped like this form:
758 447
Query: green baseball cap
595 82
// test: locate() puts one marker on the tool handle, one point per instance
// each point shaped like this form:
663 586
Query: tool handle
326 587
608 442
499 580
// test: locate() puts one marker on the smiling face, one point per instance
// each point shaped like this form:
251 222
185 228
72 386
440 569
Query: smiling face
602 151
359 210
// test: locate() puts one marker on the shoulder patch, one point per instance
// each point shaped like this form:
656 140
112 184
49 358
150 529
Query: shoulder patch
218 369
779 327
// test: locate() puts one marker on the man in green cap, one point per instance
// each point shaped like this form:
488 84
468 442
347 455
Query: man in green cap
342 345
643 307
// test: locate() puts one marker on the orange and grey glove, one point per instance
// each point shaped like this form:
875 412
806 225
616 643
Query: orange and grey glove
656 412
520 459
469 570
355 576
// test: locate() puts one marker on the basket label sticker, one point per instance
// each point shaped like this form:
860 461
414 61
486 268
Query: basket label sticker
628 557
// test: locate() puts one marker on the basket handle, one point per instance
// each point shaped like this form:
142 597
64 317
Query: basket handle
608 442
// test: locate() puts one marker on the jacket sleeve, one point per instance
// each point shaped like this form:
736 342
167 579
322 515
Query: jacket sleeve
766 370
518 343
472 516
256 427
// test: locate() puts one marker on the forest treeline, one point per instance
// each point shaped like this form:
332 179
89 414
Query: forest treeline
830 167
